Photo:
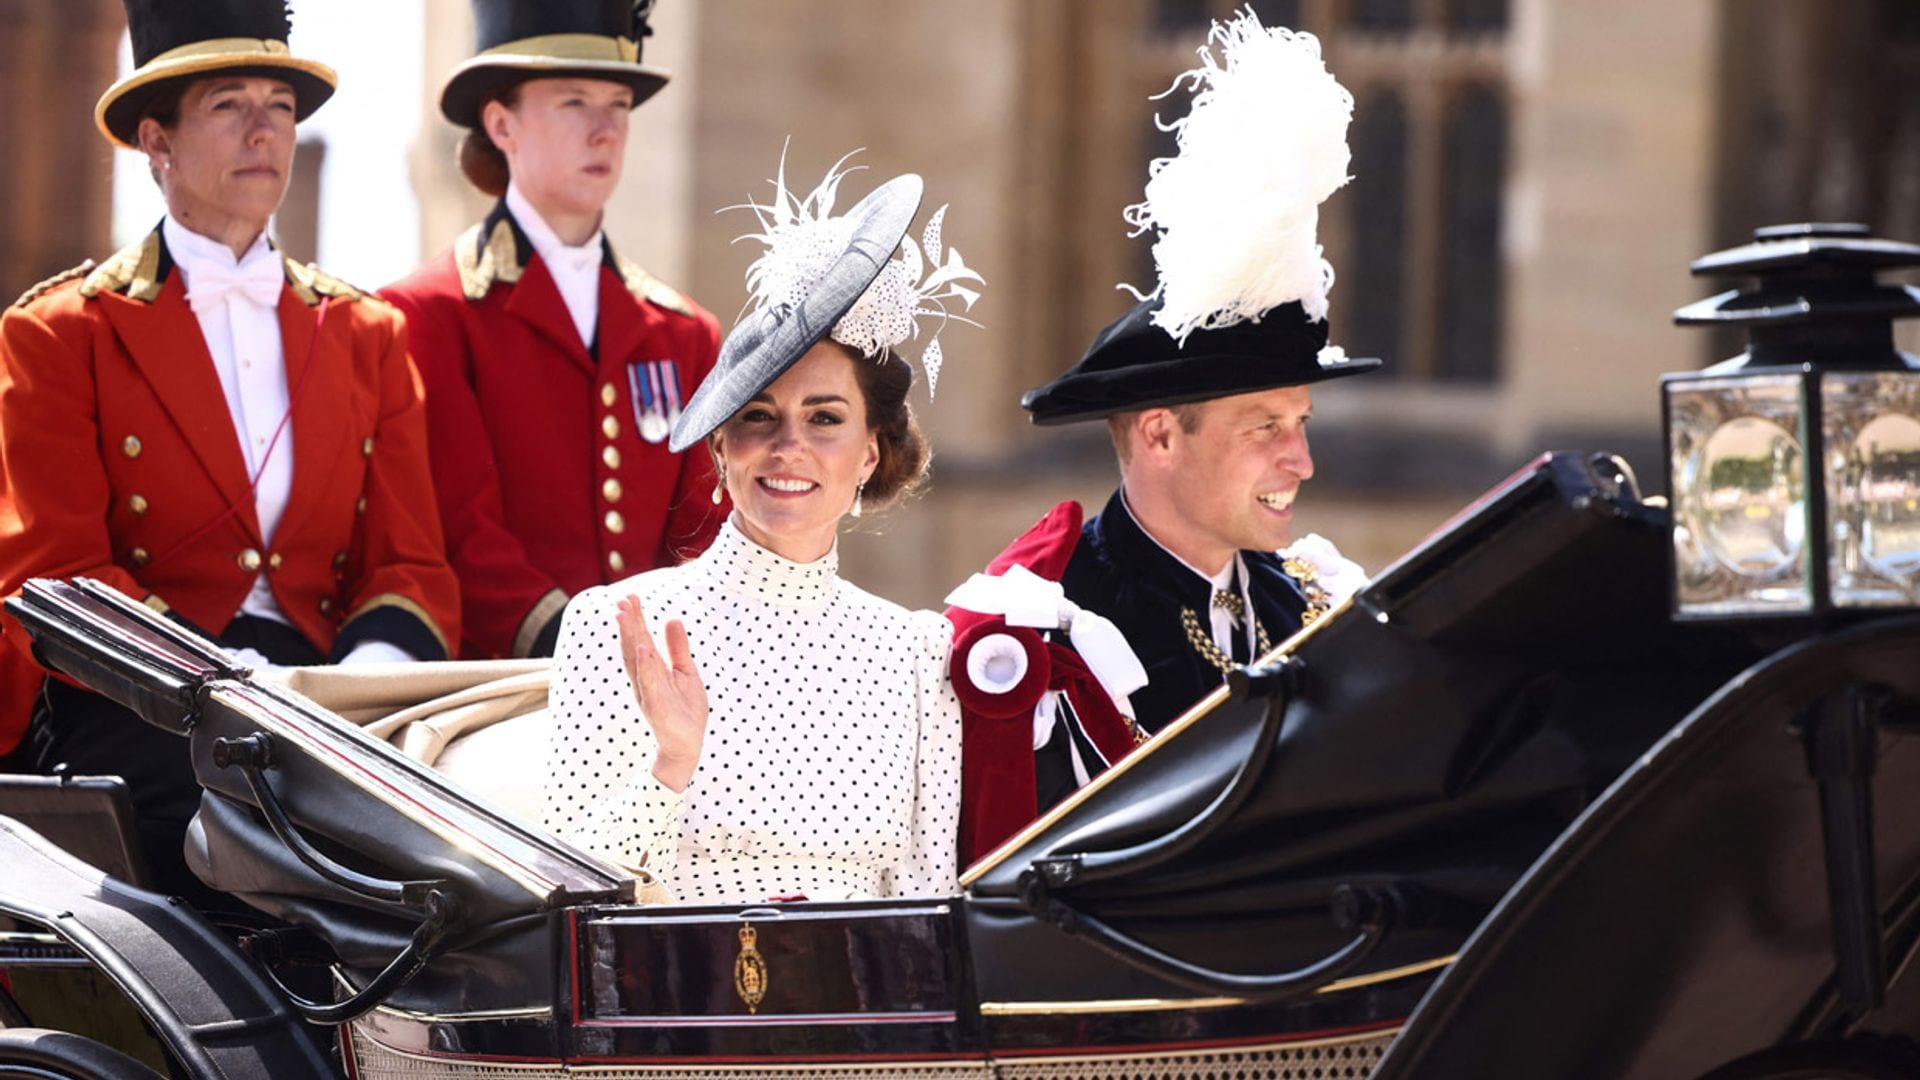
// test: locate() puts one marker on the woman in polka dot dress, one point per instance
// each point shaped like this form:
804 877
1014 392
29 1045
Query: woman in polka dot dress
796 736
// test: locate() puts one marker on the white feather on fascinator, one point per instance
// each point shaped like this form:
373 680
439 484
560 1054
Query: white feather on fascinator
803 239
1237 208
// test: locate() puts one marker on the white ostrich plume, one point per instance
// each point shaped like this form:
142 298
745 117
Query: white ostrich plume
803 239
1236 209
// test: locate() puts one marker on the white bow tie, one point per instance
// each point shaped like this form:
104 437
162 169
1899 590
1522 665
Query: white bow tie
257 279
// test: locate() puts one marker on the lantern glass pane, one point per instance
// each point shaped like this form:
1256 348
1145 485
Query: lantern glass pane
1739 495
1871 422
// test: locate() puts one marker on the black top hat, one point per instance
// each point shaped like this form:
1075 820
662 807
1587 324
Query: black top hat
1135 364
762 346
176 40
517 40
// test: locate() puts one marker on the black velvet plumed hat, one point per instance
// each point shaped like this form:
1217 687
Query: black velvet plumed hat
517 40
1134 364
178 40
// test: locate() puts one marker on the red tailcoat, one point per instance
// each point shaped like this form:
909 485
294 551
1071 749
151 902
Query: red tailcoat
547 481
119 461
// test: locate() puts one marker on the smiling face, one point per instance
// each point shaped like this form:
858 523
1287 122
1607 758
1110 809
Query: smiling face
564 140
224 162
1225 479
792 459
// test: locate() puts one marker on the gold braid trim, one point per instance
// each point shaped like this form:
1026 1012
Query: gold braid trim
310 283
544 609
134 270
645 286
62 277
408 605
481 264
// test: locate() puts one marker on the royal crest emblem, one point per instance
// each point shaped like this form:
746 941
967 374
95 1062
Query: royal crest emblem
750 970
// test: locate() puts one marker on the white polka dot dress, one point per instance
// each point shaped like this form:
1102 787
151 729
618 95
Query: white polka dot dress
831 762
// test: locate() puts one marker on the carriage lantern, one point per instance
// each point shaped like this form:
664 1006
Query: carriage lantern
1795 466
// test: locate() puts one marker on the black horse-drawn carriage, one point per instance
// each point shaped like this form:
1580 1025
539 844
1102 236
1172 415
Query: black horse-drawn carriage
1499 814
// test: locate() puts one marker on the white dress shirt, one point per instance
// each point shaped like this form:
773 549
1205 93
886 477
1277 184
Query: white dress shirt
243 335
575 270
236 303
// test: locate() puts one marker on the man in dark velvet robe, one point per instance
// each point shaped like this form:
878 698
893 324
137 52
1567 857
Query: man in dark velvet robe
1185 558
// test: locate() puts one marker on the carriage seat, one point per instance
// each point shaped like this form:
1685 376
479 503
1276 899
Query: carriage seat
480 723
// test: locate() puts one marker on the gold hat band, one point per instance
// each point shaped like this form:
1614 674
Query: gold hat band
549 47
312 81
217 46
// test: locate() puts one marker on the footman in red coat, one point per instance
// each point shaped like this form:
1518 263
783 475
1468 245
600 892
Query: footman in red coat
554 367
228 436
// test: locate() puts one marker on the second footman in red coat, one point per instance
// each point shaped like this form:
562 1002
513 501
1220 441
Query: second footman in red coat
554 368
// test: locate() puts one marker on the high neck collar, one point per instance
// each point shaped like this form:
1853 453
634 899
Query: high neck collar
552 249
744 567
190 249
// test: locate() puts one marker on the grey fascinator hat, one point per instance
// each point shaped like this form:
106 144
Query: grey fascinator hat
823 275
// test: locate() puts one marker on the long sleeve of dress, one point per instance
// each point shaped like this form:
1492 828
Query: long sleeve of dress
931 866
600 793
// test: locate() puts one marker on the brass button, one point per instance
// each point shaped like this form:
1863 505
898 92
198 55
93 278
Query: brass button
130 446
339 560
610 427
611 457
273 561
137 504
616 562
616 523
249 560
608 395
610 488
366 446
326 607
138 556
360 505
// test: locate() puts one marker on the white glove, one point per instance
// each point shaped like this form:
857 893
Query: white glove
376 652
254 659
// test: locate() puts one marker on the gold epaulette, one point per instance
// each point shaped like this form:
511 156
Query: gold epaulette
651 289
133 270
68 274
480 265
310 283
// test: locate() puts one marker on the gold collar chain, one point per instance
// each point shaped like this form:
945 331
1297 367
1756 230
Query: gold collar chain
1319 602
1202 641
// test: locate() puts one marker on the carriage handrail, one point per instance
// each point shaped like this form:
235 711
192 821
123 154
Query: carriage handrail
252 755
1376 910
443 912
1276 681
1370 910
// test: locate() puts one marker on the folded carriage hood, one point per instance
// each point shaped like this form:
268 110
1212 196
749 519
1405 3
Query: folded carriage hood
354 797
1444 726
